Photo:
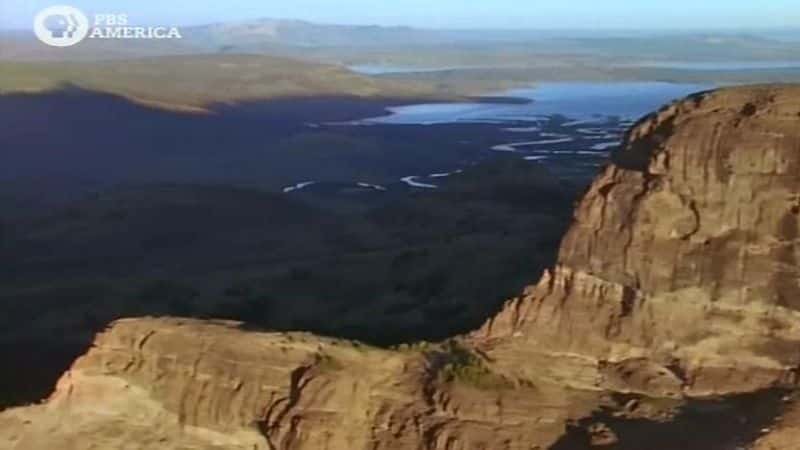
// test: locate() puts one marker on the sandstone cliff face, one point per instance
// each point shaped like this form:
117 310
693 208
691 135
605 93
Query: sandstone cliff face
171 383
680 274
676 300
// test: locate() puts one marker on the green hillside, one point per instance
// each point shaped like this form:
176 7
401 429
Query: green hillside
196 81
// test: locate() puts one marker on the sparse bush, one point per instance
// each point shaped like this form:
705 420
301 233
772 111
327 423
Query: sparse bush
464 366
416 347
327 363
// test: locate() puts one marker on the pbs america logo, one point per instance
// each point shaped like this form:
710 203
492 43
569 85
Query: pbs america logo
61 26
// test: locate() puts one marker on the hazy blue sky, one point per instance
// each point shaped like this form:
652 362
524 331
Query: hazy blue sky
549 14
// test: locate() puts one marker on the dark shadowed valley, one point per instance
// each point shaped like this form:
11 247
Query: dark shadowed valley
212 228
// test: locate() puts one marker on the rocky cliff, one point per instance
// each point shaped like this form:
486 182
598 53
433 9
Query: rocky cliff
672 321
682 260
170 383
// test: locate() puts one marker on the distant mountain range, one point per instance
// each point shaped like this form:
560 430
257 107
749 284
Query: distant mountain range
348 43
301 33
265 33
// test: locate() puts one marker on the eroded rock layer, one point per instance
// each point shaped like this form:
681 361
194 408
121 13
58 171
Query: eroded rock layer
680 274
675 303
172 383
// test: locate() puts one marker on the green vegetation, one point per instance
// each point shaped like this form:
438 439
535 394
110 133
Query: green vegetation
382 267
464 366
415 347
499 79
194 82
399 270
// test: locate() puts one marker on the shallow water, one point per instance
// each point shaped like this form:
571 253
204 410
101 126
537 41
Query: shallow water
568 127
582 103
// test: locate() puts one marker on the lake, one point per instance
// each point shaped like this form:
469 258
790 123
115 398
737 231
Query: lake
569 127
584 101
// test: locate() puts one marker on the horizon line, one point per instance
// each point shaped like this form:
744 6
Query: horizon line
697 30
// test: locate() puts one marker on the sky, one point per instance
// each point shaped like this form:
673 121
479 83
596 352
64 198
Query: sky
494 14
